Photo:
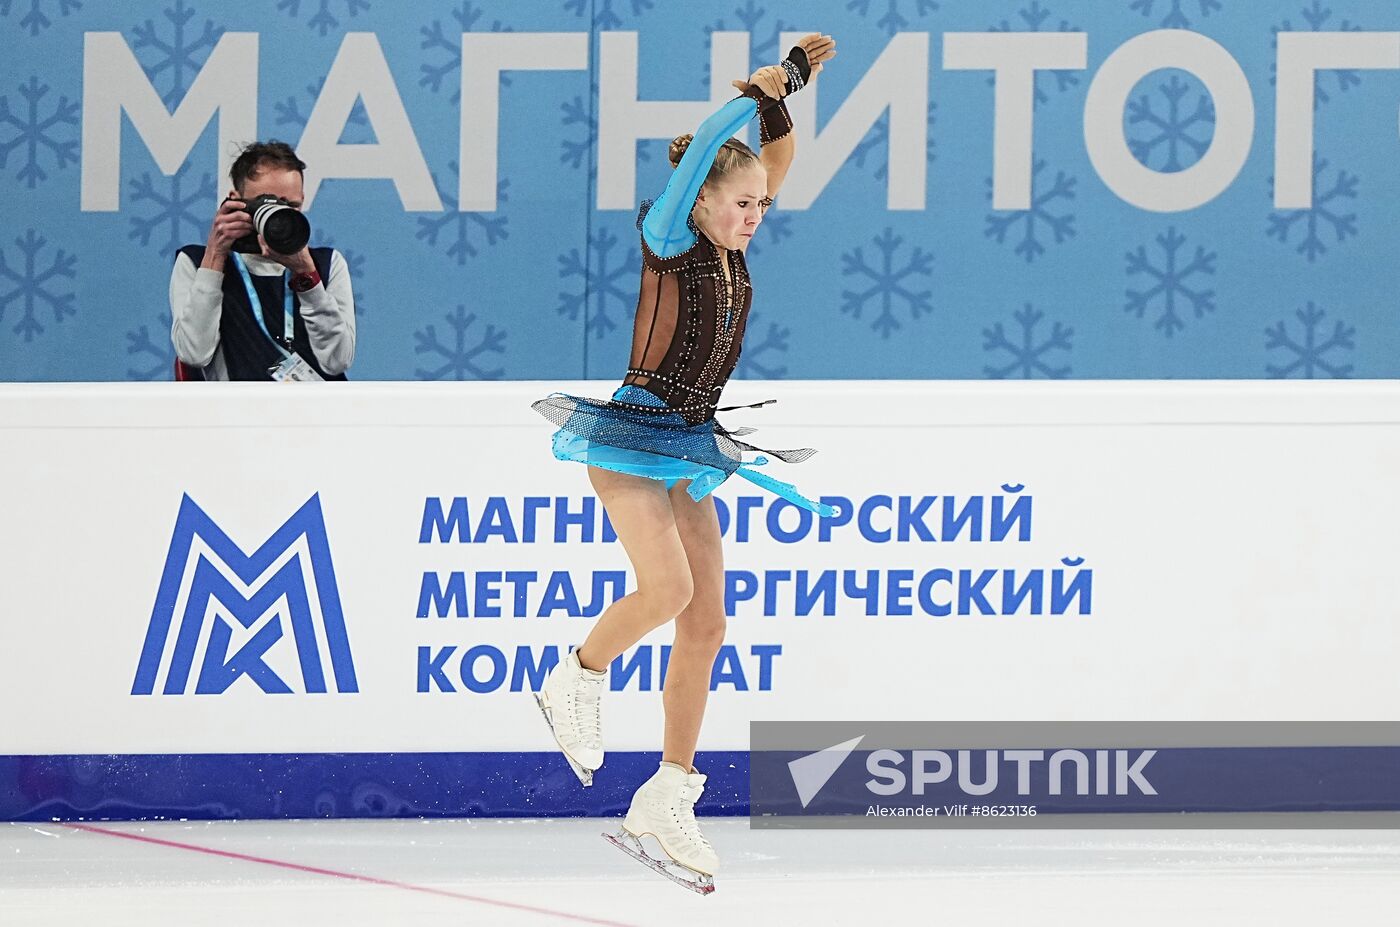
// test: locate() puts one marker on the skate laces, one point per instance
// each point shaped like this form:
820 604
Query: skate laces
684 816
588 719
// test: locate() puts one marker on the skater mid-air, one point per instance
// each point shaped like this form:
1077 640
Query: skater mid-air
655 452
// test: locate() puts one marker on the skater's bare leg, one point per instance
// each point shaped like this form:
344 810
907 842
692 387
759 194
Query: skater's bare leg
699 628
640 511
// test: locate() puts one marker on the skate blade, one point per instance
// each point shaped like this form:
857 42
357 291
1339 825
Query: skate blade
584 774
701 883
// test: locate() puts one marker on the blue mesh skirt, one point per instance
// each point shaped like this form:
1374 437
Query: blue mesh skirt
661 445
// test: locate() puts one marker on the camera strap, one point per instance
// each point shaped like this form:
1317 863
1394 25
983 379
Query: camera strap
287 317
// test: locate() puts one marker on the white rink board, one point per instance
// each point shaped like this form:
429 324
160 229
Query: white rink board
1239 534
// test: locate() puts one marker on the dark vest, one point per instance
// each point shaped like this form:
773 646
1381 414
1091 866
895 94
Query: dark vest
247 352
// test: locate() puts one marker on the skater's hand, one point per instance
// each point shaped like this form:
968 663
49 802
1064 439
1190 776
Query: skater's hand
772 80
819 48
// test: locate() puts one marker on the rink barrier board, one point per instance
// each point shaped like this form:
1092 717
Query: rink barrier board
1231 641
1255 780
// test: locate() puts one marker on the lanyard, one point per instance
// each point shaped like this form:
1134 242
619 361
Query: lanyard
257 304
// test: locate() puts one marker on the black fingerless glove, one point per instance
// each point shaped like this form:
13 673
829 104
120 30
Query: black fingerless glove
774 121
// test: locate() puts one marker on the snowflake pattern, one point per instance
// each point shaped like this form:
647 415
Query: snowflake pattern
323 20
888 283
461 224
609 282
151 351
1323 211
35 20
357 127
1027 355
578 151
34 285
1171 282
779 228
892 20
763 42
605 16
1172 133
1000 224
1310 354
875 145
1175 17
1035 16
576 113
35 134
1317 17
436 39
758 360
172 207
461 360
175 60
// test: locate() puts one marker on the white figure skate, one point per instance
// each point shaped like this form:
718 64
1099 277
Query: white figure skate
569 700
664 808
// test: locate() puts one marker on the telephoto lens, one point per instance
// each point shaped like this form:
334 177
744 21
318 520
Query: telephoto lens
283 226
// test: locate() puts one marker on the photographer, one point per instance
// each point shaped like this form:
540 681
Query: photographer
243 311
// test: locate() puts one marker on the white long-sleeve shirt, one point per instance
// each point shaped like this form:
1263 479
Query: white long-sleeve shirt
197 300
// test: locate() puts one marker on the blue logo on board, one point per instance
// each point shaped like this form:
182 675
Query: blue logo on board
220 615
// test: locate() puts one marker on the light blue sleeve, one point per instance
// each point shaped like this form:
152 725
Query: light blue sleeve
665 228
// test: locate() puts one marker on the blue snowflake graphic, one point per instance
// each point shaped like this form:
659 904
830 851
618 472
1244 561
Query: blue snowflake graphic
461 360
1035 16
462 223
1323 211
177 59
35 20
763 42
289 113
776 228
1176 133
1171 282
32 285
1175 17
760 355
34 133
893 21
888 283
435 38
605 17
1317 17
1000 224
151 350
1027 355
577 113
1310 354
323 21
173 208
578 151
610 282
875 145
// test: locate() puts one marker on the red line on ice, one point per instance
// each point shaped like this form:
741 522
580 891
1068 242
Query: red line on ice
351 876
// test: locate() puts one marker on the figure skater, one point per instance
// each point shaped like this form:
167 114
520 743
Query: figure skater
655 451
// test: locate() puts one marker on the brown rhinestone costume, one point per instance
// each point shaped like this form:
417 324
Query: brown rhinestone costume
689 327
686 341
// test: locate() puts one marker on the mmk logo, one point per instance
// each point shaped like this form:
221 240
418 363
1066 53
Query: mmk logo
228 613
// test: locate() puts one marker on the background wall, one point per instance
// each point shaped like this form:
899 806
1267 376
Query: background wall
887 256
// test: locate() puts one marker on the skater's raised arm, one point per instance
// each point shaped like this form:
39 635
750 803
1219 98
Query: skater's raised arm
664 227
775 124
